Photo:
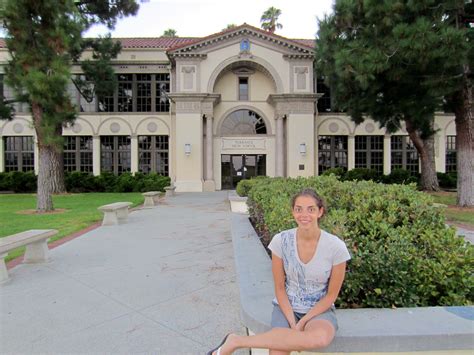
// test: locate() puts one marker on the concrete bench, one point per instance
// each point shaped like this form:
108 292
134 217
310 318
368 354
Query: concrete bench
169 191
150 198
447 330
35 241
115 213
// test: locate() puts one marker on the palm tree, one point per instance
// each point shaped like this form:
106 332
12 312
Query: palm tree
169 33
269 19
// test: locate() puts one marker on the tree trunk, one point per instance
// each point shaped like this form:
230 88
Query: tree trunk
425 148
57 165
44 200
464 119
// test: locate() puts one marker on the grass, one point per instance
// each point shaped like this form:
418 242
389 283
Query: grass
80 212
454 214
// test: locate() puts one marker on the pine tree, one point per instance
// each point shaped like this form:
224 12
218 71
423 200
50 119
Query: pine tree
394 61
44 37
170 32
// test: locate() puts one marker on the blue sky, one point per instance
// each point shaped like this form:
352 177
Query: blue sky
198 18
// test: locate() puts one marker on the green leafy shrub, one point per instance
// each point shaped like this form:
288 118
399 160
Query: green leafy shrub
403 254
448 180
18 181
400 176
335 171
244 186
361 174
77 181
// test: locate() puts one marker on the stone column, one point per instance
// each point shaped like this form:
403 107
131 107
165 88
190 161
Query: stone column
387 154
96 155
279 147
134 154
440 152
2 155
350 152
209 184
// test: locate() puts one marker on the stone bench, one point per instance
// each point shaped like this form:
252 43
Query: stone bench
35 241
115 213
169 191
150 198
447 330
238 204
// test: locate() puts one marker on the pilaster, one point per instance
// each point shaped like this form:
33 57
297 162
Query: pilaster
209 183
350 152
387 154
96 155
2 155
134 154
36 154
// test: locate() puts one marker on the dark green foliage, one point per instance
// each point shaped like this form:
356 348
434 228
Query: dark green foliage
362 174
447 180
18 181
403 254
400 176
244 186
334 171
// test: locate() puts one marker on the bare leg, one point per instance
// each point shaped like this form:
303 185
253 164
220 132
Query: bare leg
278 352
317 334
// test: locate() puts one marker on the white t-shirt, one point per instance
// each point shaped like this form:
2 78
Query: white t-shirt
306 284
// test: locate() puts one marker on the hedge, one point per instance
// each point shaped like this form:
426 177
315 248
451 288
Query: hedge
403 254
84 182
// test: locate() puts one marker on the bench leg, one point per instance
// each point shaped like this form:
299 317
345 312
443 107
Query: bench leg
3 269
149 201
110 218
122 215
37 253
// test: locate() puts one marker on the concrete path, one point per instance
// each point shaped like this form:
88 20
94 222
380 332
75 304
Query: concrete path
162 284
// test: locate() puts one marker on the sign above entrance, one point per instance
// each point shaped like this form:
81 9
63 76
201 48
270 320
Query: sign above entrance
254 144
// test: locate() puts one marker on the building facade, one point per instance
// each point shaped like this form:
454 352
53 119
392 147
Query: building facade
211 111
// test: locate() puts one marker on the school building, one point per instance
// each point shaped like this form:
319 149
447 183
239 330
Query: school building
211 111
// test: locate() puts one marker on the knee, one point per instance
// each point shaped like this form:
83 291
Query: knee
319 341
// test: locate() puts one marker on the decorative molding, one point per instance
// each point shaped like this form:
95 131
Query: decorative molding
293 103
195 103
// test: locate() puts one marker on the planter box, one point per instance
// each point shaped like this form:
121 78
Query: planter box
238 204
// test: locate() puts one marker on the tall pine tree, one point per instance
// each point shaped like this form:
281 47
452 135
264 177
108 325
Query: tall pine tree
394 61
44 38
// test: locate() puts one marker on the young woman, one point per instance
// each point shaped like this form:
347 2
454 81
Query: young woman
308 266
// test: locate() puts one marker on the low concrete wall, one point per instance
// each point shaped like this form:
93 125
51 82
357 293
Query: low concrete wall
434 330
238 204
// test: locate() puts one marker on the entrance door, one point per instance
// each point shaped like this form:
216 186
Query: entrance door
239 167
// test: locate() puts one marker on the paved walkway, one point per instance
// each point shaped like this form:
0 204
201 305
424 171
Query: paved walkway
162 284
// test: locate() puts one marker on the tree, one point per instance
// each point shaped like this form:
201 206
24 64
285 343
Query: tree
44 38
269 19
169 33
229 26
393 61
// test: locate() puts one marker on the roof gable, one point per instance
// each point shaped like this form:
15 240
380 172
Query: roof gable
298 48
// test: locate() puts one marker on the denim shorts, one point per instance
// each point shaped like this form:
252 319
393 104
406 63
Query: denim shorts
279 319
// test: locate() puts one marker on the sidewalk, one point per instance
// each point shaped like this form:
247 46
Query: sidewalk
164 283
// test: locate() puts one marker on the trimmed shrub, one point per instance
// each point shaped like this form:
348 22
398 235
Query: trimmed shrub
340 172
448 180
400 176
244 186
361 174
403 254
18 181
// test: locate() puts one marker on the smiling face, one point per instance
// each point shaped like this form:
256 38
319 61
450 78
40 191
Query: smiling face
306 212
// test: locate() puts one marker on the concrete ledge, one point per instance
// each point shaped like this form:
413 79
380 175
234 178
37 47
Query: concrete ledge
360 330
238 204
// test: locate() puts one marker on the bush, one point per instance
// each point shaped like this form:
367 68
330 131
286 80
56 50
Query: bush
401 177
18 181
361 174
448 180
244 186
403 254
80 182
335 171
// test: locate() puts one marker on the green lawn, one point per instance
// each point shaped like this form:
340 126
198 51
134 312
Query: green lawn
81 212
454 214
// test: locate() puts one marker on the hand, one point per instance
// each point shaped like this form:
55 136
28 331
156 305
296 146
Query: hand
301 324
292 324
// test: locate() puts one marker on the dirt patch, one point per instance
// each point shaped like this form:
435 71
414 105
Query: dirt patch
55 211
460 209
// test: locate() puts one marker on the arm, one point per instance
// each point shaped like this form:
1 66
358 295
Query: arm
335 282
280 291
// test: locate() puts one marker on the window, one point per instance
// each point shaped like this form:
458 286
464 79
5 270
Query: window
137 93
243 122
78 153
451 157
153 154
332 152
404 154
115 154
19 154
369 152
243 89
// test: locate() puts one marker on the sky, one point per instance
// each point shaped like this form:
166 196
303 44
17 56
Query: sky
199 18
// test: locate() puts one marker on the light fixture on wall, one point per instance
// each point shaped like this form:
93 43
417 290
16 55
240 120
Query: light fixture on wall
187 149
303 148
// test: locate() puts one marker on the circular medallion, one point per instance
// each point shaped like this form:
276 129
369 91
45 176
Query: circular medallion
114 127
369 128
77 128
18 128
334 127
152 127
